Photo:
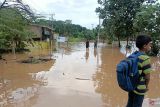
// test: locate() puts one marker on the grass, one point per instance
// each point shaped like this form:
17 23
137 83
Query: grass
38 44
72 39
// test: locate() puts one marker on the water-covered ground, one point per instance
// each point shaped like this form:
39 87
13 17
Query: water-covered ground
75 77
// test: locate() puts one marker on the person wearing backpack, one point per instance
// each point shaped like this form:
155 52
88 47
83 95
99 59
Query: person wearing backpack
136 97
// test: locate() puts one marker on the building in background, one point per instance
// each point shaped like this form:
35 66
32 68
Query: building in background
41 33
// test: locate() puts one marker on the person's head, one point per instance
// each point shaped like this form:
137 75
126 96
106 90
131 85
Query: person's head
143 42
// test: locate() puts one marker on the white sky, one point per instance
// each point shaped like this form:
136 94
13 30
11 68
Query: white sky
81 12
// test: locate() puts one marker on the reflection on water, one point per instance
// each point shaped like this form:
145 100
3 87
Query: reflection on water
17 88
87 55
78 78
69 80
105 79
10 96
22 94
95 52
106 84
41 77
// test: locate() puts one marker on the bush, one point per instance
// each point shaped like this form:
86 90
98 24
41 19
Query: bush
72 39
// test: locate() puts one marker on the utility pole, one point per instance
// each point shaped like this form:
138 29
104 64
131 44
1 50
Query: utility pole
98 41
92 29
51 34
98 29
52 19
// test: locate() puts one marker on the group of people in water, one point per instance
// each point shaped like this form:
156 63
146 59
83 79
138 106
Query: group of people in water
87 44
87 49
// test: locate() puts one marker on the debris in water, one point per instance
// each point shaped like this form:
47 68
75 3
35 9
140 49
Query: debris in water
82 78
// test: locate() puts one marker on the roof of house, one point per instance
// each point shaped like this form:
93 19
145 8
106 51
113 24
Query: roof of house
42 26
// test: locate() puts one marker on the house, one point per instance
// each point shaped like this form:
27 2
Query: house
41 33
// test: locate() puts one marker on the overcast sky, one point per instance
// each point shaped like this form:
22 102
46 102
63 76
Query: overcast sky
81 12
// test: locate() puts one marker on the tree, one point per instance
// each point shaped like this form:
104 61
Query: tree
13 29
66 28
23 9
148 21
119 14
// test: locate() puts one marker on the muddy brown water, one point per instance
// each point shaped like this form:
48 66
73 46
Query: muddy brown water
75 77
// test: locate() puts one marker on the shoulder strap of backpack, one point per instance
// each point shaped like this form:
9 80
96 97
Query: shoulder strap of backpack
139 53
136 54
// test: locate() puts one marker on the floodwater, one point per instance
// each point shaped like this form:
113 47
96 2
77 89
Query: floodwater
75 77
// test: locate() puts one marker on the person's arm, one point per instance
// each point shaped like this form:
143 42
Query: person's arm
147 78
147 70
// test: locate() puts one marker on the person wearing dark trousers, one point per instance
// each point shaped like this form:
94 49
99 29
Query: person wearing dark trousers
95 44
136 97
87 45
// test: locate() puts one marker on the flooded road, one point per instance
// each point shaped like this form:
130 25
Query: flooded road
75 77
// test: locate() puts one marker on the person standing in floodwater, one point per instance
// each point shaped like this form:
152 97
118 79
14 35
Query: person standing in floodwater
95 44
87 45
136 97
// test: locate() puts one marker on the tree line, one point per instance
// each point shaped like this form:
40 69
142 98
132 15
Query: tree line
66 28
14 29
124 19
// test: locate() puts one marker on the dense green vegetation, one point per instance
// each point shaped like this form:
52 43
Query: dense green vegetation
13 29
124 19
66 28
